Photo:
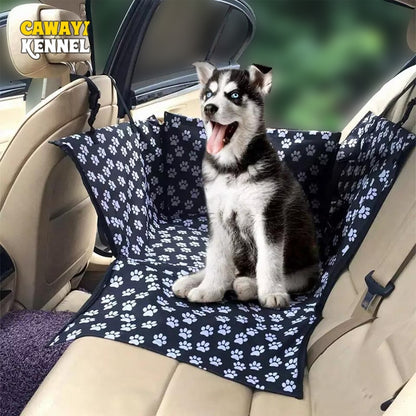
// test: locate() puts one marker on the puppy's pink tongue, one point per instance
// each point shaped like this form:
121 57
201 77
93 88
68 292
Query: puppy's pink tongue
216 140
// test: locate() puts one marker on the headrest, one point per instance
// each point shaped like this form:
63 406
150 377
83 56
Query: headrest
411 32
48 65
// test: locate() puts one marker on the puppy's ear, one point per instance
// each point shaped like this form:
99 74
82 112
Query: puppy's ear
204 71
261 77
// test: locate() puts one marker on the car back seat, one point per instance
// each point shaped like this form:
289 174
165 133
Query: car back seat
352 377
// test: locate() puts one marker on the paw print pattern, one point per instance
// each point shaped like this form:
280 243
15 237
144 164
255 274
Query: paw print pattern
148 186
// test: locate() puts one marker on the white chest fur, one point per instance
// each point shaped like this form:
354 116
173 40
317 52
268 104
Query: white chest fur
228 195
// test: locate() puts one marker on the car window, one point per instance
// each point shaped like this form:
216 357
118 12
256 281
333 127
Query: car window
184 31
328 57
106 18
11 82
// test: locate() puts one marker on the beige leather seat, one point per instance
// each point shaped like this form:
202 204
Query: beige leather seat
352 377
47 222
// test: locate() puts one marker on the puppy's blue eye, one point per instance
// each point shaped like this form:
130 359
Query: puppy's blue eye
235 95
208 94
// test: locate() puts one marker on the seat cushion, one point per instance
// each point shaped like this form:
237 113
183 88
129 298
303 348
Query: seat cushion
102 377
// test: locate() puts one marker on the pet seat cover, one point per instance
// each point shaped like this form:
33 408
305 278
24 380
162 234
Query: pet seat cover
146 184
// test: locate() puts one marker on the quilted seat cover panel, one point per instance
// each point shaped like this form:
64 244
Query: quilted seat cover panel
147 187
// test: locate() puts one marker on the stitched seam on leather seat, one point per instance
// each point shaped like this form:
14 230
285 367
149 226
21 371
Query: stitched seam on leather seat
166 387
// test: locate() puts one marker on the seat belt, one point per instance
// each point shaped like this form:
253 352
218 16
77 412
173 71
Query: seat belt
380 283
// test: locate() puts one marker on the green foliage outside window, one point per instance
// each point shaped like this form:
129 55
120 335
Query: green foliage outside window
328 56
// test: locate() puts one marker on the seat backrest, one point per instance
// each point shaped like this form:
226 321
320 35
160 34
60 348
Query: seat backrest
367 365
47 222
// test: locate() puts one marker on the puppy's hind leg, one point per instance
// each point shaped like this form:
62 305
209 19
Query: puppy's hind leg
245 288
272 292
184 284
302 280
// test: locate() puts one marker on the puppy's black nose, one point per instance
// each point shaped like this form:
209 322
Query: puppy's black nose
210 109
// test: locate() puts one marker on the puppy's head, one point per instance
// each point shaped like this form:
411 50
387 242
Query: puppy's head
232 106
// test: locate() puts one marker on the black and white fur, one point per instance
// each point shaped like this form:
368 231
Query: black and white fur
262 241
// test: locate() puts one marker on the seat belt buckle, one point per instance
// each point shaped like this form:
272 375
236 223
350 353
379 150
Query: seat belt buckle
374 289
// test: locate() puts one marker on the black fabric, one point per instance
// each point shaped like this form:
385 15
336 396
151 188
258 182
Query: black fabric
147 187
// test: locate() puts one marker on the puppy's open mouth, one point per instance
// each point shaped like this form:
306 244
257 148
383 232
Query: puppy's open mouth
220 136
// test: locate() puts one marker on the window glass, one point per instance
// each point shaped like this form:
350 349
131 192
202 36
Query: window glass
182 32
6 5
107 17
11 82
328 56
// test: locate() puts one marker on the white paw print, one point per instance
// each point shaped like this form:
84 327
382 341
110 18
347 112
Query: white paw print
185 333
193 359
207 330
141 295
252 379
272 377
202 346
92 312
237 354
112 335
224 329
128 305
298 137
276 327
111 314
270 337
107 298
230 373
276 317
172 353
149 310
242 319
128 292
291 364
251 331
159 340
189 317
223 345
136 339
288 386
239 366
125 317
185 345
291 351
257 350
255 366
296 155
110 305
128 327
86 320
149 324
73 334
176 122
274 345
153 286
215 361
172 322
241 338
291 331
98 326
136 275
275 361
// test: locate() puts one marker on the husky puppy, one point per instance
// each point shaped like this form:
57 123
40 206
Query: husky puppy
261 235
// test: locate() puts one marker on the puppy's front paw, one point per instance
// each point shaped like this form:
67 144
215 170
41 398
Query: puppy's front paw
185 284
274 299
204 295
